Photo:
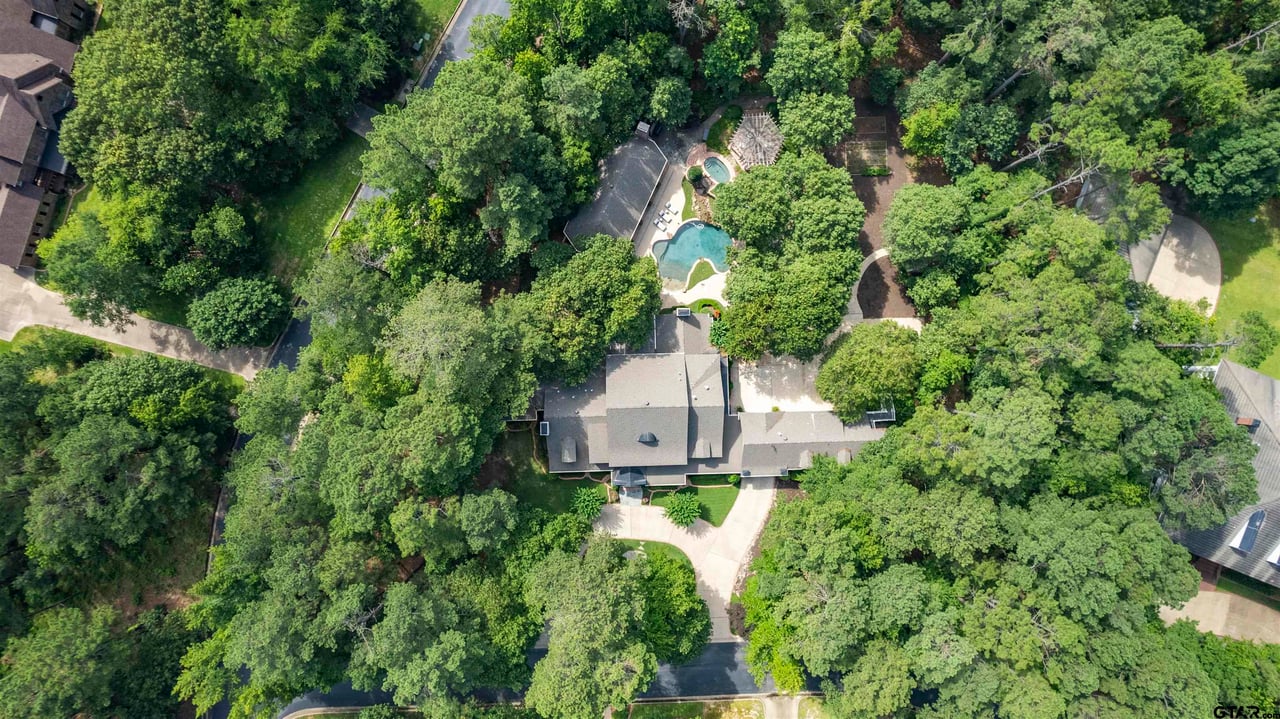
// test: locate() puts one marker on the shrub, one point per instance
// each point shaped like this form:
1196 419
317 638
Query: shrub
719 333
1258 339
379 711
695 173
883 83
684 509
550 255
239 312
587 502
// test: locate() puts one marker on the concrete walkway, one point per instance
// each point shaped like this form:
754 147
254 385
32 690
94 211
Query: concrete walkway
24 303
718 553
1229 615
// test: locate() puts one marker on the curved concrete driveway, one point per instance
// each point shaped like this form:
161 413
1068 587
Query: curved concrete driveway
1187 264
24 303
718 554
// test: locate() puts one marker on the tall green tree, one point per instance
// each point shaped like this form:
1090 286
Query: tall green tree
875 363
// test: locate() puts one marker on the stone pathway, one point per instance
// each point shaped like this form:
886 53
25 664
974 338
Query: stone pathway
24 303
718 554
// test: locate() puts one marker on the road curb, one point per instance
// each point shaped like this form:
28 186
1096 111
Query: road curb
435 49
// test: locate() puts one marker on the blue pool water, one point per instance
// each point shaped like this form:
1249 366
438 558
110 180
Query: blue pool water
716 169
693 241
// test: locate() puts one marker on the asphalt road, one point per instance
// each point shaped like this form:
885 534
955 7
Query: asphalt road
457 44
721 670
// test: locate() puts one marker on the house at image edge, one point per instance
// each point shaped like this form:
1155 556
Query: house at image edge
659 414
36 55
1249 543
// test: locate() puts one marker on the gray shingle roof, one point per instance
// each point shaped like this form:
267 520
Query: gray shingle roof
18 35
707 406
774 443
1249 394
675 389
647 395
576 413
18 209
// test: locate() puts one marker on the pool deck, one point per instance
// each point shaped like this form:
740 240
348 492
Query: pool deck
669 190
711 288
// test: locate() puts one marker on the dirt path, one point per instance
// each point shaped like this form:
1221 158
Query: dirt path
878 293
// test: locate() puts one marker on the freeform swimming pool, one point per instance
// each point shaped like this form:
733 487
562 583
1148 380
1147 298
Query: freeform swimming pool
716 169
694 240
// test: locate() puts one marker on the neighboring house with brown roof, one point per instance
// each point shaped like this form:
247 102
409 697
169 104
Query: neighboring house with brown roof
659 414
1249 542
36 56
44 27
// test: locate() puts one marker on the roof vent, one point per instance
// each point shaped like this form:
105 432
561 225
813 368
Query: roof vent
647 438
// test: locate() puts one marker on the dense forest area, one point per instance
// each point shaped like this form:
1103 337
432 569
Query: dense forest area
1003 551
185 113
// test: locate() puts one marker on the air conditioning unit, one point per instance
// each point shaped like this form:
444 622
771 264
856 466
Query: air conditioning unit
544 429
683 312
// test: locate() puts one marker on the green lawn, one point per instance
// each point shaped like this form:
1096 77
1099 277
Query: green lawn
1250 270
530 481
1250 588
656 548
29 335
295 221
701 271
689 212
667 710
430 16
716 501
812 708
87 199
738 709
722 130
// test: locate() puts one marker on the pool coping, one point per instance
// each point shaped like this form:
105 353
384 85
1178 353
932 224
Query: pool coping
685 282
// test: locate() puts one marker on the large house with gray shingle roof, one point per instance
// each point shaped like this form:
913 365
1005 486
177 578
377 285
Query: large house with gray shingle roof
1249 543
35 65
661 413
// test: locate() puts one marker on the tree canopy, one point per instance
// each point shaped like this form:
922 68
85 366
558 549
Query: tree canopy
798 221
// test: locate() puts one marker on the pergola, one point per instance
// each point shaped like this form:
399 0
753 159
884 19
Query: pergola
757 141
